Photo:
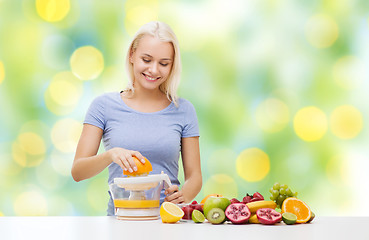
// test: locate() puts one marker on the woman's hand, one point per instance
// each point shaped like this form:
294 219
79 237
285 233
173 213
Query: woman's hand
124 158
174 195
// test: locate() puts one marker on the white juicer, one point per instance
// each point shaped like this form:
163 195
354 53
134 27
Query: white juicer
138 198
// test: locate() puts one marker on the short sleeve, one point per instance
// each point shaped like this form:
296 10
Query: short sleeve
95 113
191 126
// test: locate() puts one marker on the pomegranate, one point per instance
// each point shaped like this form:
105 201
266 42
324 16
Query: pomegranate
268 216
238 213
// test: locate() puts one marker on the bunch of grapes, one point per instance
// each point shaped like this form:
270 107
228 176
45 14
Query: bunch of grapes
280 192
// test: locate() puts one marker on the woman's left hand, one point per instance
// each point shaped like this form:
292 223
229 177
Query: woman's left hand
174 195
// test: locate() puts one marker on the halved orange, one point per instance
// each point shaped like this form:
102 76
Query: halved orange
142 168
297 207
210 195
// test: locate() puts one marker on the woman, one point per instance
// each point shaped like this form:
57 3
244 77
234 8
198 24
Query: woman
147 119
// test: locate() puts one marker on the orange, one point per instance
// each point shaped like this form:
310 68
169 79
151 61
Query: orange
210 195
297 207
142 168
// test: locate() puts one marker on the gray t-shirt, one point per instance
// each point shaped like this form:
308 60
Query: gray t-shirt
156 135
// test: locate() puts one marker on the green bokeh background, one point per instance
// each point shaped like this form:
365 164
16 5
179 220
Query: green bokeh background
236 54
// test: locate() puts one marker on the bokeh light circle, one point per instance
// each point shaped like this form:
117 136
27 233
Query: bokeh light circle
87 63
65 134
310 124
346 122
30 203
2 72
65 89
53 10
61 162
253 164
349 72
221 184
29 149
32 143
272 115
63 93
48 178
321 31
138 13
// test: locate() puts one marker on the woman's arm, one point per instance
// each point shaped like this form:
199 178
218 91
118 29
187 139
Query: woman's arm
192 173
87 164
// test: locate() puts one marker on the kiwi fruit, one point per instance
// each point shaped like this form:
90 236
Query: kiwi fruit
216 216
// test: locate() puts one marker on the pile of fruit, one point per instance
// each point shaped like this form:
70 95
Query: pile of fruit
252 209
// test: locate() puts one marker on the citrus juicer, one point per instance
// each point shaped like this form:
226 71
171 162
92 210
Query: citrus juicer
138 198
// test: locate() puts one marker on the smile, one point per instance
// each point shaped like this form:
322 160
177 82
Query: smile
148 78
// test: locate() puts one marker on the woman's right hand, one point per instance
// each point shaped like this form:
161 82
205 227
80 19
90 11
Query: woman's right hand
124 158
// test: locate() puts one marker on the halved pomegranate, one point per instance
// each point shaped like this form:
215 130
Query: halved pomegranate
238 213
268 216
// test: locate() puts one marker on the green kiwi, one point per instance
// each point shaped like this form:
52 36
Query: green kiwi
216 216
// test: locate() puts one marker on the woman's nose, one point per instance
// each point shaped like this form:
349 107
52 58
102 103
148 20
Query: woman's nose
154 68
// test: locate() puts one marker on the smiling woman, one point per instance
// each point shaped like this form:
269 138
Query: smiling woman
145 121
152 62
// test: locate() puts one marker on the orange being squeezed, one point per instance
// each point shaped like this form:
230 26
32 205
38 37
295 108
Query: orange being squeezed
124 203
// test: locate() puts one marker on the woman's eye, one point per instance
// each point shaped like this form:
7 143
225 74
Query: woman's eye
164 64
146 60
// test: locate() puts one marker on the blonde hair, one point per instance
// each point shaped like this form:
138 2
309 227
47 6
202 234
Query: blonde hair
164 33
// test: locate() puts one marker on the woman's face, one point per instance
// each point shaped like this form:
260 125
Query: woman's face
152 62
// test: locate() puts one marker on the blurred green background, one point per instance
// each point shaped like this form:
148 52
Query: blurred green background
280 89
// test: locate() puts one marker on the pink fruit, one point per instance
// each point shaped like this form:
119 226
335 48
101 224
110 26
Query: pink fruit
268 216
234 200
247 199
258 196
238 213
187 212
198 207
255 197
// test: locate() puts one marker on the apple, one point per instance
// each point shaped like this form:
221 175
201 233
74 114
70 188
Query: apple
215 202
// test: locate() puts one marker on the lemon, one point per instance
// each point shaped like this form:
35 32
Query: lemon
170 213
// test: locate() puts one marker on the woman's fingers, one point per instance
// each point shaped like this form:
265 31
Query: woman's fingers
175 197
119 161
171 189
124 158
132 166
139 156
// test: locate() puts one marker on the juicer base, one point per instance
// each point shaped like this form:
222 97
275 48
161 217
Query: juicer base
137 212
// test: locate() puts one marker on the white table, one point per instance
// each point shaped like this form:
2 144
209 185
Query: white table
67 228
